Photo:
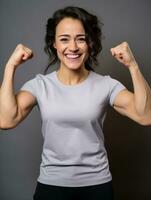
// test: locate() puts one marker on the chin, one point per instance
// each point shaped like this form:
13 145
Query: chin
74 66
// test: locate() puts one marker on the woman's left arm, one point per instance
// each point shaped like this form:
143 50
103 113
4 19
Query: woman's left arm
137 105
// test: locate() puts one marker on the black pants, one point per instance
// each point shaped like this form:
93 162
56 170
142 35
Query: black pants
95 192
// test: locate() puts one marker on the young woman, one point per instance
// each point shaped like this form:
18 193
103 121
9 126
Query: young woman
73 101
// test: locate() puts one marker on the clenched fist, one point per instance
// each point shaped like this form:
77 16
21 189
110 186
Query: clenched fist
20 55
123 54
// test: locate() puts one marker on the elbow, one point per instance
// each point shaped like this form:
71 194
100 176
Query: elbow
144 117
145 121
6 126
10 123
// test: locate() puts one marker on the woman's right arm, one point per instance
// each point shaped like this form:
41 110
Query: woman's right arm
14 107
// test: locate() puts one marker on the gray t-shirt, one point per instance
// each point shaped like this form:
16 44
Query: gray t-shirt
72 122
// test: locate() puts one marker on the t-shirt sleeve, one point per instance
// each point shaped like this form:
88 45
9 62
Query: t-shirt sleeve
30 86
115 88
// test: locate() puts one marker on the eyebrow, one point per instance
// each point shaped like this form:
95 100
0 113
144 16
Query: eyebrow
66 35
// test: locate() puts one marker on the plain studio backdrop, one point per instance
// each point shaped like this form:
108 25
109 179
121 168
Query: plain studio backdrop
128 144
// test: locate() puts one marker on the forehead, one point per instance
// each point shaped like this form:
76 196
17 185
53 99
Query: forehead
69 26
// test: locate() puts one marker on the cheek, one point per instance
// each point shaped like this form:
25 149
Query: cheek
60 50
85 48
59 54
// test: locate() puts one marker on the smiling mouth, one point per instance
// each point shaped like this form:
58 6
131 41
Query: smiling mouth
72 56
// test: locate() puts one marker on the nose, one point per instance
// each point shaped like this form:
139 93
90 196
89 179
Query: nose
73 46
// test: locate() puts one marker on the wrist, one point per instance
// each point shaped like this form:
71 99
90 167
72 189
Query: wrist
134 69
10 66
9 70
133 66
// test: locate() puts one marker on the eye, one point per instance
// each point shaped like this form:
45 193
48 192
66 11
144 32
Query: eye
81 39
64 39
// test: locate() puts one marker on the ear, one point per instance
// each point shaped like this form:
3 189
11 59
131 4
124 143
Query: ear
54 45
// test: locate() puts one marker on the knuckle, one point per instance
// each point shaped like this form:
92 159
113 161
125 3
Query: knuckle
125 44
19 45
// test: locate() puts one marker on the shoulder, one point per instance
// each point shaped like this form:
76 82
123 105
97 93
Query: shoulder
105 79
39 78
107 85
96 76
102 79
37 81
44 76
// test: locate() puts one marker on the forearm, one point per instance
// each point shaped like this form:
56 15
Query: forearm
142 91
8 104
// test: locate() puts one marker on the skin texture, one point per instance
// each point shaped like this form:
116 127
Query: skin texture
124 55
137 105
72 51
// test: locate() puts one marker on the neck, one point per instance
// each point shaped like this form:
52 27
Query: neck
72 77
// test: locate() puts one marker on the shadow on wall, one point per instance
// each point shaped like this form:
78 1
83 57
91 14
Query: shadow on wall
129 156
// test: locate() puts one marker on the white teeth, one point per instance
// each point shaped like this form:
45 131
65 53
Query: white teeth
72 55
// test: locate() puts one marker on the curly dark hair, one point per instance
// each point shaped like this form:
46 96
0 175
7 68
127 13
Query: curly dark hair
92 28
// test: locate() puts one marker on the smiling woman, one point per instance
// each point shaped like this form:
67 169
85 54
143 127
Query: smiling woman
87 24
73 102
70 42
72 48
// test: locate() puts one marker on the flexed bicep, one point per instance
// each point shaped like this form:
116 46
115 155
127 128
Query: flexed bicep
124 103
25 101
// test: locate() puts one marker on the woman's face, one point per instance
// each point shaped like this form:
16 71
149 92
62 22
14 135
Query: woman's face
70 43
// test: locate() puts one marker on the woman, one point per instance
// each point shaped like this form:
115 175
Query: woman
73 101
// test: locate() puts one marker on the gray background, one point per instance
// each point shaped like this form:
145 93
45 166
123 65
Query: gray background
128 144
